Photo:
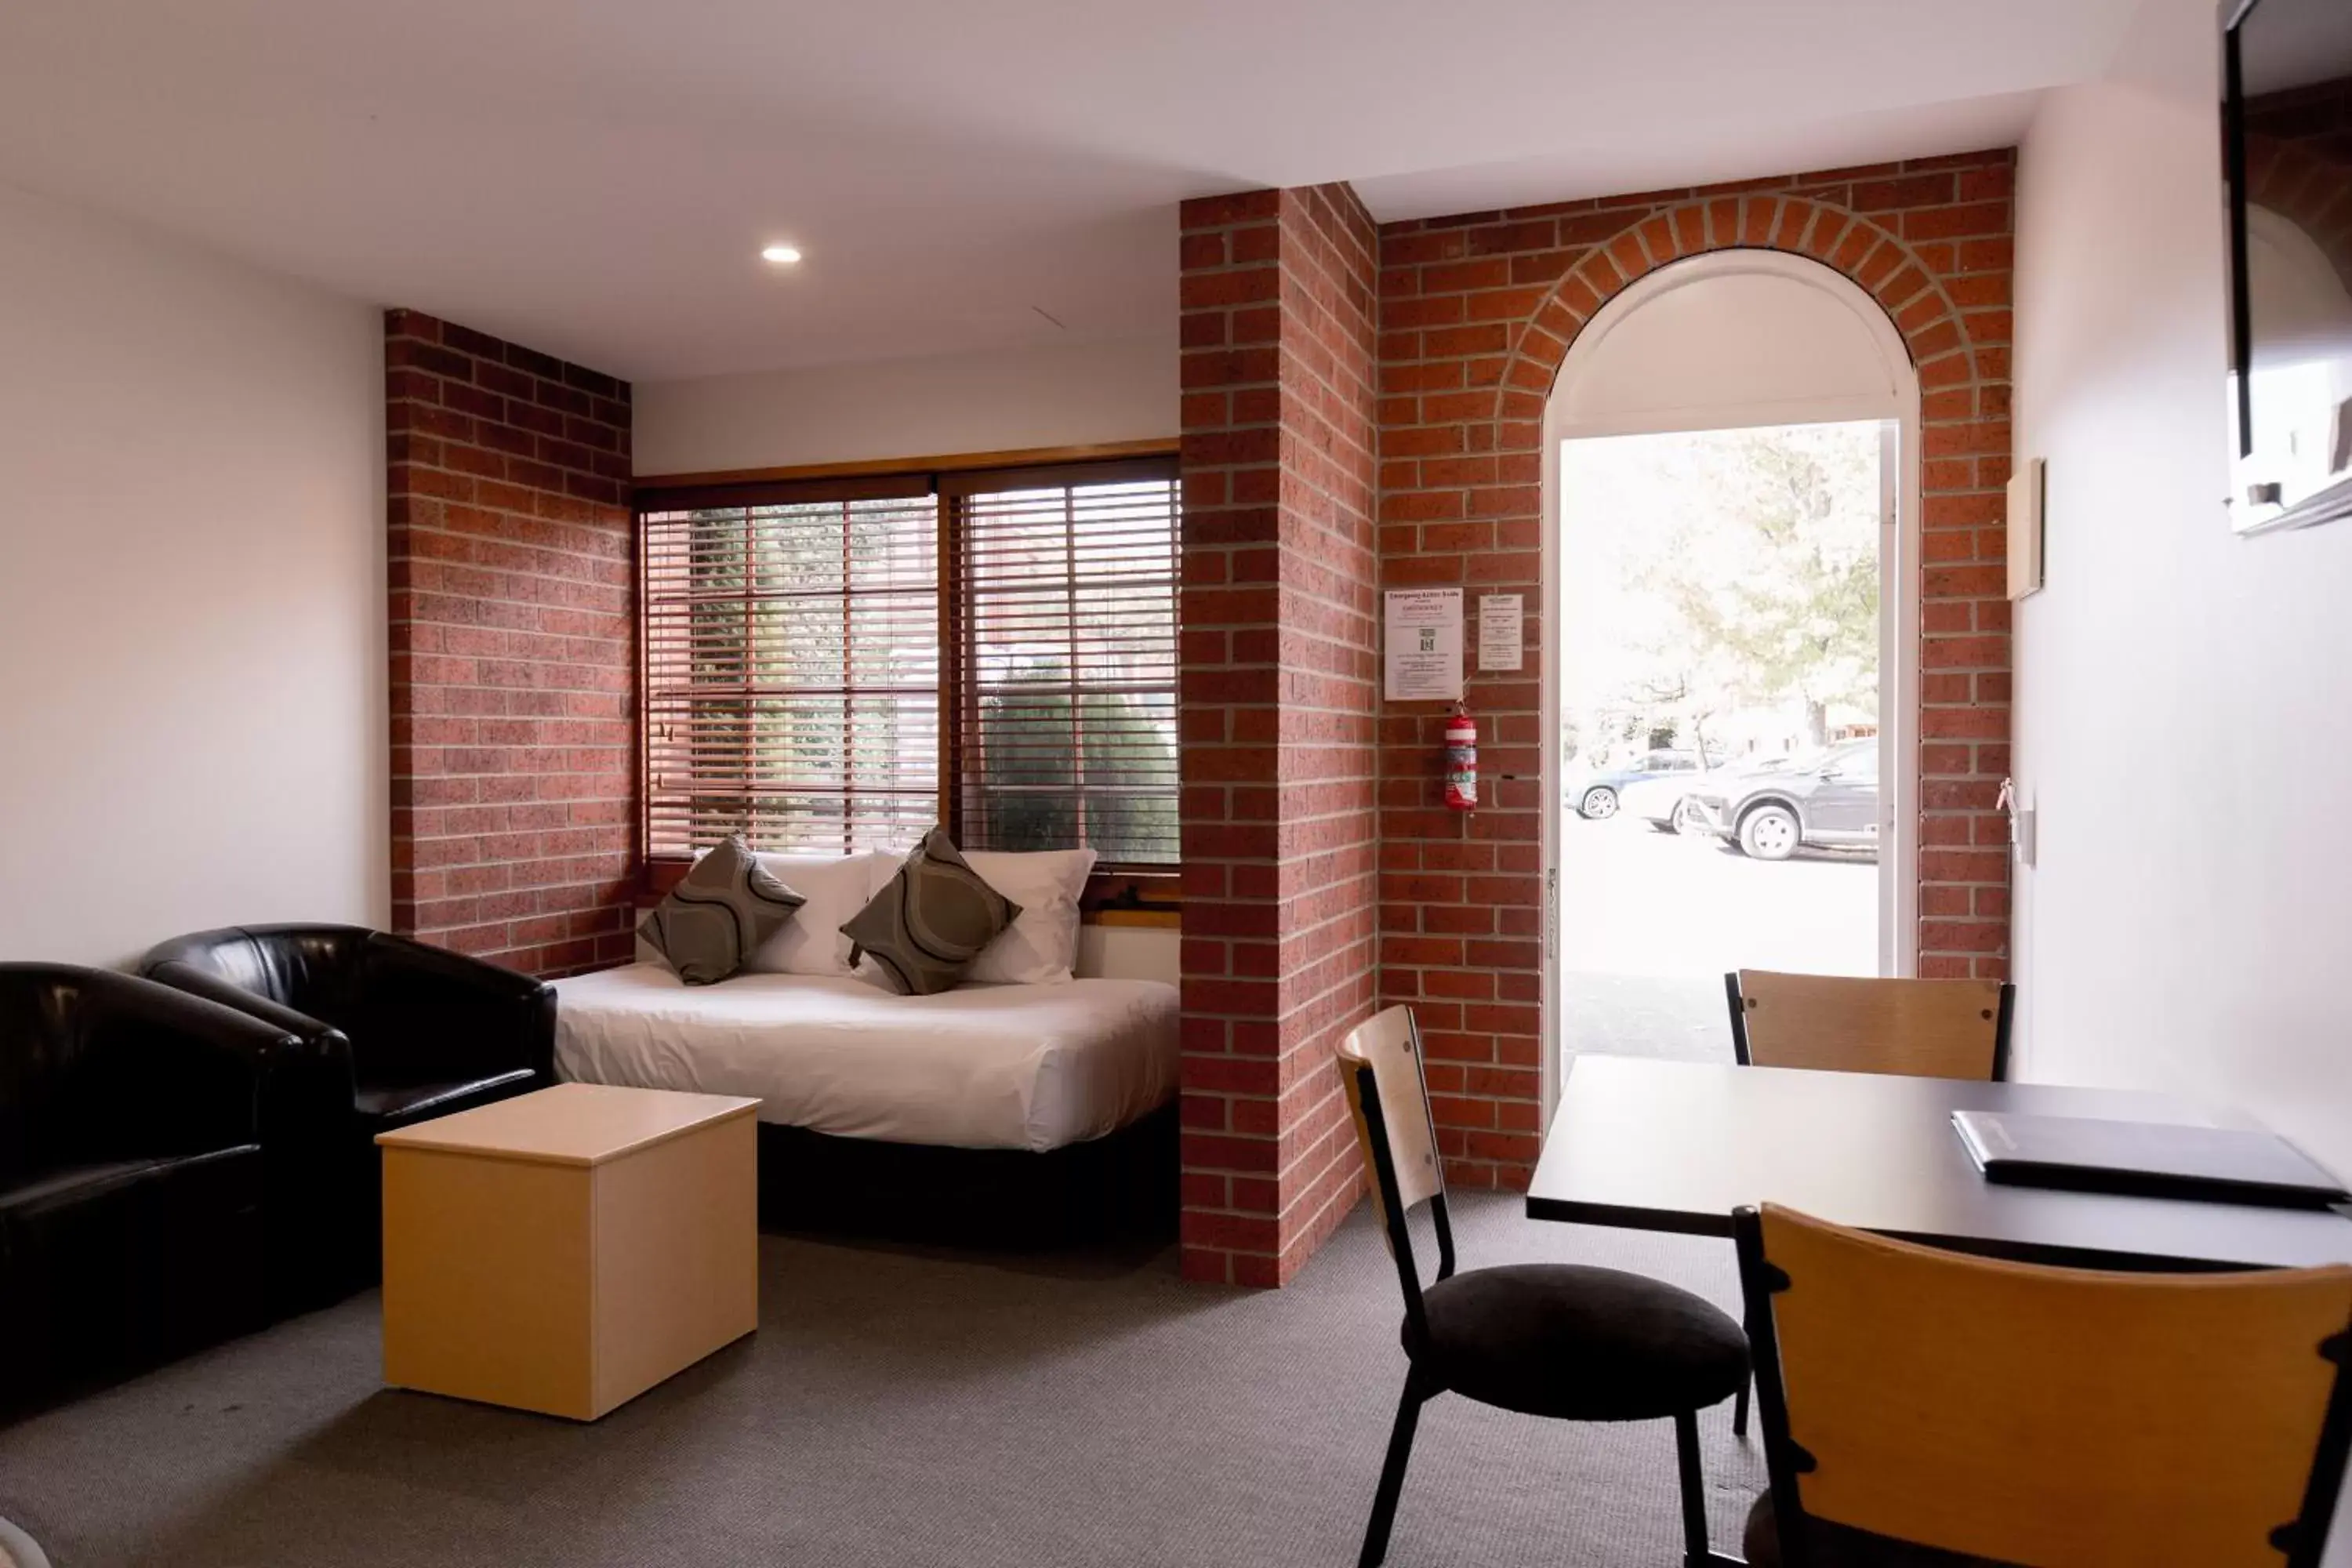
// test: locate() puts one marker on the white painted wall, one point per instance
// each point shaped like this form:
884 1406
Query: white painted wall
2184 697
1122 390
192 607
1131 952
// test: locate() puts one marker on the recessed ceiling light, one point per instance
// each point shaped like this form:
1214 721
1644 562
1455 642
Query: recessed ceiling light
782 255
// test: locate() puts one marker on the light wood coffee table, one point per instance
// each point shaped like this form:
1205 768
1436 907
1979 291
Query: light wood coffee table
566 1250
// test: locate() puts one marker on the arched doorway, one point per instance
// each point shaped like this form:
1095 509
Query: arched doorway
1750 341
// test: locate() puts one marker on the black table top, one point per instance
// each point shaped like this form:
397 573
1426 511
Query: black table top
1676 1146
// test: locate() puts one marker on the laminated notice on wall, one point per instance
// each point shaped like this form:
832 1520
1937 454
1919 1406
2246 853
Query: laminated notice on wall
1423 645
1502 631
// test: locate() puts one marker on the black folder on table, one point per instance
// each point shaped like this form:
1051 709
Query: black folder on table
2147 1158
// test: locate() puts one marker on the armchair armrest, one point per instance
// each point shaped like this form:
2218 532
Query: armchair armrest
182 976
180 1074
309 1081
463 1013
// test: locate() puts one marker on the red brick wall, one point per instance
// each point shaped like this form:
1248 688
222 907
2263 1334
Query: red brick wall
1476 314
513 649
1279 697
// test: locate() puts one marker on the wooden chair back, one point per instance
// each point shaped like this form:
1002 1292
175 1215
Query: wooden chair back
2056 1416
1926 1028
1388 1095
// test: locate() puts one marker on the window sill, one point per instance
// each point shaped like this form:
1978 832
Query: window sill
1152 899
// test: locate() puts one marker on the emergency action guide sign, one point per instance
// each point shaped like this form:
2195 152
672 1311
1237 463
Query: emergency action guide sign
1422 644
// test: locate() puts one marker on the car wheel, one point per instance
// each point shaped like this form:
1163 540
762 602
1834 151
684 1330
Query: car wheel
1769 833
1682 818
1597 805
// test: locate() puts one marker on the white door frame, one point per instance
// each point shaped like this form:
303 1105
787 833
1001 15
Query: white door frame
1898 567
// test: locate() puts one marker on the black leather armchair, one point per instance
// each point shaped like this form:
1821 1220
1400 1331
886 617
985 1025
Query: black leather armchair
132 1174
402 1031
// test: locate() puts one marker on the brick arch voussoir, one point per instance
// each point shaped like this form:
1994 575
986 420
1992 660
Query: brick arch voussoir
1862 249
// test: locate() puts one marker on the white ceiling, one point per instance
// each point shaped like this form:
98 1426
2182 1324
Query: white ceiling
595 177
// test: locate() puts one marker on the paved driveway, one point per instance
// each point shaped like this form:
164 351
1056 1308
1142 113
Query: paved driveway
1650 923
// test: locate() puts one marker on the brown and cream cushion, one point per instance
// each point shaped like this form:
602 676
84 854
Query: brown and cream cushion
719 914
929 921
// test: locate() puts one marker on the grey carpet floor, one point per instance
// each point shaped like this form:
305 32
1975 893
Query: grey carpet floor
899 1408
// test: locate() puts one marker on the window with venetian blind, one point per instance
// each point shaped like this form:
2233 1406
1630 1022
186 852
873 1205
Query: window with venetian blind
835 667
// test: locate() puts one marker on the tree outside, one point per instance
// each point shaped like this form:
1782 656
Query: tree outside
1067 767
1722 596
1070 656
1723 590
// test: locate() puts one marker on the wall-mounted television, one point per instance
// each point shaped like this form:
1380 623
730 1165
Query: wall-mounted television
2287 154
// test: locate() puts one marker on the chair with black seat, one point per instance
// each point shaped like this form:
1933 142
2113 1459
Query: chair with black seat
1568 1341
1929 1409
420 1031
132 1174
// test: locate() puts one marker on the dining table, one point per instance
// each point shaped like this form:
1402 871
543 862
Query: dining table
1676 1146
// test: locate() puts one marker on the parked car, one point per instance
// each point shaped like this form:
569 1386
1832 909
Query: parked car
1597 795
1826 801
1662 799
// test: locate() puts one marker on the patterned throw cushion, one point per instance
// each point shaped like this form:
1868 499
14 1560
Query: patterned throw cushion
930 921
726 907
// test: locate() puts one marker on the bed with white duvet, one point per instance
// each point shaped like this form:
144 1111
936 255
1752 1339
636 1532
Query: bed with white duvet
1026 1056
1033 1066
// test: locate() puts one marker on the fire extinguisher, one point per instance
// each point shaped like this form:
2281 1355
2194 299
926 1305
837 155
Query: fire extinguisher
1462 760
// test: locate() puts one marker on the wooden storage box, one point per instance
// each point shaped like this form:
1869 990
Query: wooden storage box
566 1250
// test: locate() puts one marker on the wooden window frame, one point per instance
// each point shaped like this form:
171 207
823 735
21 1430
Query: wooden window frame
1115 896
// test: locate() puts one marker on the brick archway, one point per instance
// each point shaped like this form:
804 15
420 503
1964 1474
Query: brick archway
1854 245
1477 315
1833 243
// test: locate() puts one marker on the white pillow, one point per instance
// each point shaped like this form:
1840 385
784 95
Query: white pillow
836 887
1041 948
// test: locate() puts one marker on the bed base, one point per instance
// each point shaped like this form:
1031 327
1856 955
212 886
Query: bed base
1119 1187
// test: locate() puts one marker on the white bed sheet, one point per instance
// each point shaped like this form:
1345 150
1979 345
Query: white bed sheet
980 1067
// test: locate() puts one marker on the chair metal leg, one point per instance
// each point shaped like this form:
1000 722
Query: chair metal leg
1694 1488
1384 1501
1740 1413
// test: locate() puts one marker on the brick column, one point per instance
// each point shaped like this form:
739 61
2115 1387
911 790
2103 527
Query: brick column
1280 837
513 649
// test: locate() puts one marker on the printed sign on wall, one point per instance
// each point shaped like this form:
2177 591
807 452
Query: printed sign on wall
1423 645
1502 629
